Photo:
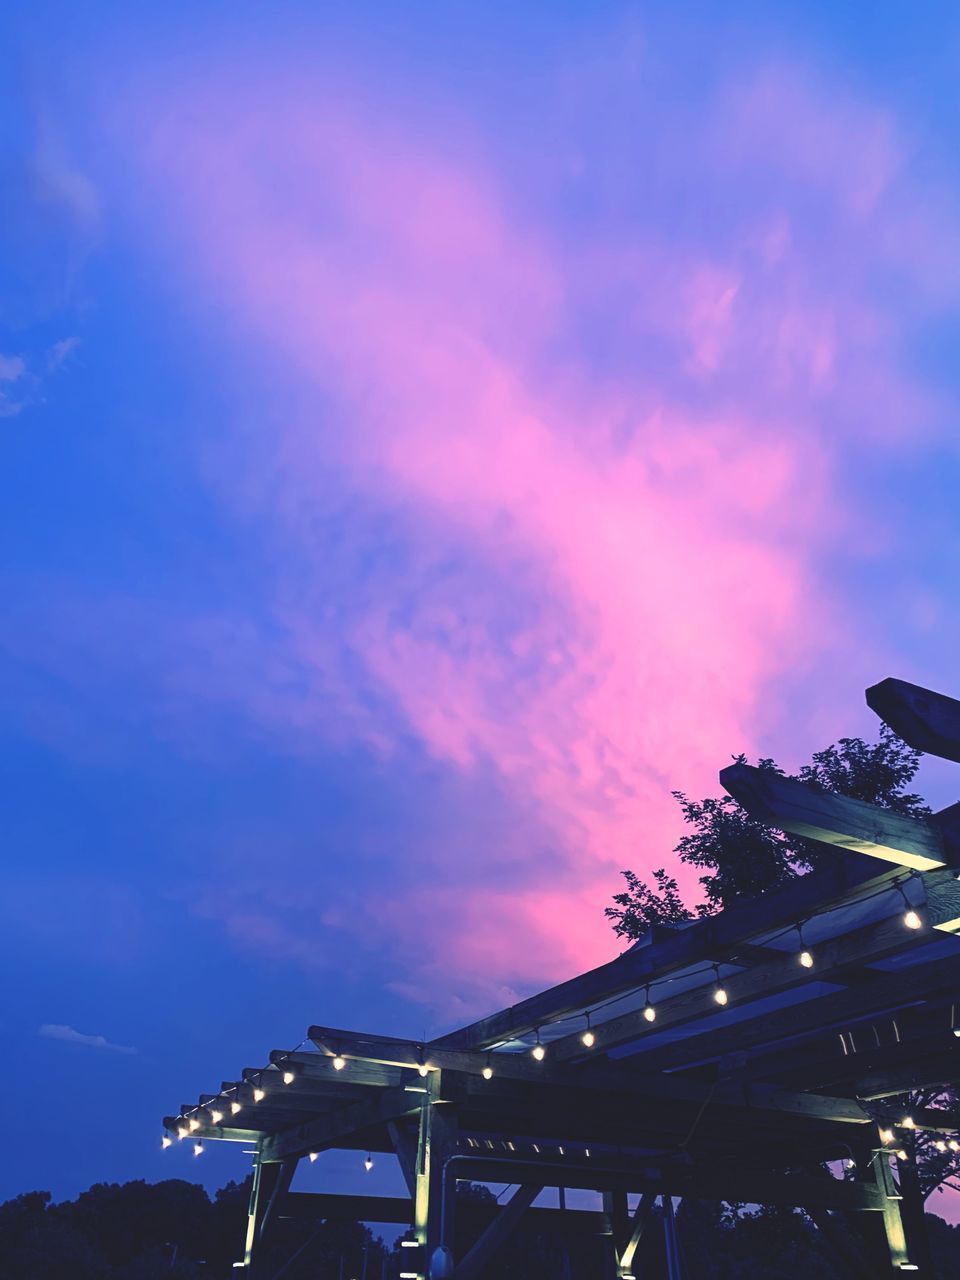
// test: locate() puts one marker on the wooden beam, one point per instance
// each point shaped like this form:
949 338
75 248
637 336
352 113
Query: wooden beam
871 942
638 1226
326 1131
319 1206
495 1236
927 721
715 938
836 820
930 981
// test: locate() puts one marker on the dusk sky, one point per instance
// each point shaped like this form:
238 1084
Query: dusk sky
431 434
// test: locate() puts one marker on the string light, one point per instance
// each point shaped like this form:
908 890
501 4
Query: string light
198 1148
313 1156
940 1145
901 1154
167 1141
886 1135
954 1145
339 1063
193 1124
649 1012
910 917
805 957
258 1095
216 1117
182 1133
588 1039
368 1163
719 991
487 1071
907 1123
235 1108
538 1051
288 1077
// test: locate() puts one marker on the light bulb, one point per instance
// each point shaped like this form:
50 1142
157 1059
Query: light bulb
368 1163
954 1145
901 1154
258 1095
806 959
313 1156
339 1063
539 1052
235 1108
912 920
487 1072
423 1069
193 1124
907 1122
288 1077
720 995
886 1135
198 1148
588 1039
650 1013
216 1116
182 1133
940 1145
167 1142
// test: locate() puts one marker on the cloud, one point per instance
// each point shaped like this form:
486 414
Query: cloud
55 1031
12 370
558 484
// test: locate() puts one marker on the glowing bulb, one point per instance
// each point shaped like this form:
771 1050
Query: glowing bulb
235 1108
339 1063
167 1142
940 1145
182 1133
901 1154
907 1122
588 1039
216 1116
423 1069
258 1095
720 995
487 1072
806 959
912 920
193 1124
954 1145
368 1163
313 1156
886 1135
288 1077
198 1148
539 1052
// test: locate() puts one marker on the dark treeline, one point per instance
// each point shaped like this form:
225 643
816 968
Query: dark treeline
174 1229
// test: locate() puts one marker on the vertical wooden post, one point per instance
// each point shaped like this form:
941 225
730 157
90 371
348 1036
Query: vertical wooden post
896 1240
915 1223
437 1142
610 1269
671 1243
261 1189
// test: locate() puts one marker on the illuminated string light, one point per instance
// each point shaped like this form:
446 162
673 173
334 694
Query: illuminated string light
901 1154
907 1123
940 1145
288 1077
538 1051
193 1124
182 1133
258 1095
487 1071
216 1117
235 1108
805 957
167 1141
649 1012
588 1039
339 1063
368 1163
886 1135
719 991
313 1156
910 917
198 1148
954 1145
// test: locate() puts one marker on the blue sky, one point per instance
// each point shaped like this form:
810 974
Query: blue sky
429 439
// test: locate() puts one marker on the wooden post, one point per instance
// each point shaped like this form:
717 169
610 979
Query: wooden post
265 1178
896 1240
918 1241
437 1142
671 1243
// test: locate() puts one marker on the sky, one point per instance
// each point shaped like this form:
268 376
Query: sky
432 434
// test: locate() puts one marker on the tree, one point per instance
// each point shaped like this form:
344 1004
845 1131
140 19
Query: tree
741 857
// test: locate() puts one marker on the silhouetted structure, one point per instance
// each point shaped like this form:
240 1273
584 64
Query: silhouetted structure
733 1058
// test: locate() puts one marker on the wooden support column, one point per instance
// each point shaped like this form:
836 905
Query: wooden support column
437 1142
896 1240
405 1146
671 1243
918 1241
265 1177
638 1225
610 1267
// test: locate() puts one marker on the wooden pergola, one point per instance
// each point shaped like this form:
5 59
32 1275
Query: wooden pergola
753 1056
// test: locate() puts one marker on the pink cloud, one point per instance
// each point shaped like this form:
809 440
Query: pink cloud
605 566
